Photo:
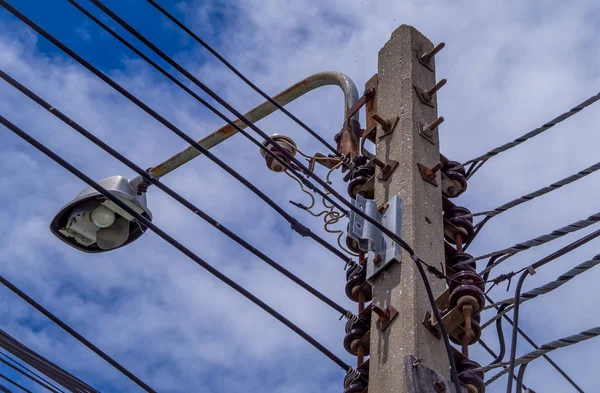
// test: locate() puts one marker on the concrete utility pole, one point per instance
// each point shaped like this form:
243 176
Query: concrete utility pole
405 90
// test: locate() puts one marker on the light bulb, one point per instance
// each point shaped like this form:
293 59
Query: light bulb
113 237
102 216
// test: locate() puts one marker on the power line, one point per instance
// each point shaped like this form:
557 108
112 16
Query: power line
529 340
64 378
98 142
538 193
544 349
144 221
34 379
544 289
241 76
478 162
493 354
76 335
23 388
502 255
30 371
526 272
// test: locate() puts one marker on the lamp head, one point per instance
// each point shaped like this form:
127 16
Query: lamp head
93 223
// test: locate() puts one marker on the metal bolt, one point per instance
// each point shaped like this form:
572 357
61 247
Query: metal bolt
377 260
435 124
426 58
379 311
430 172
385 124
439 386
428 95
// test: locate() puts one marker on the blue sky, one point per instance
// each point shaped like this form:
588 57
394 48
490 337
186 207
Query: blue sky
510 66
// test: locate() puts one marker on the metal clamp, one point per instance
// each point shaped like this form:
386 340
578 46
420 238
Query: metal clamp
382 250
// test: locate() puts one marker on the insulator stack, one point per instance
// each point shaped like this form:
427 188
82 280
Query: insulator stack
457 174
356 382
471 379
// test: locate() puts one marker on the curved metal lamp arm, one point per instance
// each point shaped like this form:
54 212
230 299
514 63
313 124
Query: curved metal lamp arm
263 110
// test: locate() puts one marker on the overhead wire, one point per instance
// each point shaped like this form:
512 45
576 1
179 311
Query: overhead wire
75 334
169 239
530 270
544 349
538 193
30 371
478 162
502 255
529 340
242 77
53 109
43 365
295 224
493 354
527 198
13 382
35 378
544 289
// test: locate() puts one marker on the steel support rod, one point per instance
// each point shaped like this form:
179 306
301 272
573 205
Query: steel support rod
263 110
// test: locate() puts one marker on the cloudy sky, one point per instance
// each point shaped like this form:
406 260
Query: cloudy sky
511 66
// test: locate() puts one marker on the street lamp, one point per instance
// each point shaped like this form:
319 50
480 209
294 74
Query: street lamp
92 223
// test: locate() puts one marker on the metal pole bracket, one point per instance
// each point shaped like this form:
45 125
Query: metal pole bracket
381 249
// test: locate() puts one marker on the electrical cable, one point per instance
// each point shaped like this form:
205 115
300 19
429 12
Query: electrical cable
76 335
144 221
39 382
538 241
477 163
23 388
296 225
544 349
59 375
196 210
533 344
531 270
542 191
493 354
544 289
30 371
242 77
520 378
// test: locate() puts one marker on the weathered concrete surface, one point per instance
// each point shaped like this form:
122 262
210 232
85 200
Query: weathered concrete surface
421 379
422 225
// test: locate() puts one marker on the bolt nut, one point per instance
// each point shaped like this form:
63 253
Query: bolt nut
439 386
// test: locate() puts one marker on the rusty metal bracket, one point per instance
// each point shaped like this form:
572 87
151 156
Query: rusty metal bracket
428 174
387 170
386 317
